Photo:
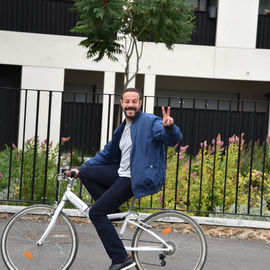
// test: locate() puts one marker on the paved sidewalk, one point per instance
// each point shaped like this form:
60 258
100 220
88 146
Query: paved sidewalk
223 254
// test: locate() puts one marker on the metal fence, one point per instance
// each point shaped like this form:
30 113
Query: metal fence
57 17
221 166
263 32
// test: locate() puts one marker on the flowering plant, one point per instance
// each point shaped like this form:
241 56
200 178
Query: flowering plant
218 177
30 175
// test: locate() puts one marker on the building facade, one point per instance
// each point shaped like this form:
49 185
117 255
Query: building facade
228 59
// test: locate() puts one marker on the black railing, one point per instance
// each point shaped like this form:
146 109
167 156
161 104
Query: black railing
57 17
221 166
38 16
205 32
263 32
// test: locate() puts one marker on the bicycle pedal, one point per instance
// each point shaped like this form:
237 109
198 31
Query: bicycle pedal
129 266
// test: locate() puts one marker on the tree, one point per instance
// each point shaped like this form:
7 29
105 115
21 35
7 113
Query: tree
115 27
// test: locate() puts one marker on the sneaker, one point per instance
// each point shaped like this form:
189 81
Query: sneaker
126 264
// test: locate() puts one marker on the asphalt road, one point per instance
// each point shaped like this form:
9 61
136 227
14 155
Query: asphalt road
223 254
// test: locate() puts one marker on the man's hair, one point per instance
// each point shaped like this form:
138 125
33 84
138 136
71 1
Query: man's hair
132 90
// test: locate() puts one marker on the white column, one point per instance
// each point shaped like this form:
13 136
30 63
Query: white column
107 114
237 23
132 83
149 92
41 78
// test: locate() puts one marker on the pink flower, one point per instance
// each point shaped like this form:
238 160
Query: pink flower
65 139
69 154
255 188
186 163
181 157
220 143
17 155
184 148
231 140
1 175
268 138
13 146
161 198
204 144
29 140
194 174
257 174
167 166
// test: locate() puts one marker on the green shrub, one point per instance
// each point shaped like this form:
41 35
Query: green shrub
18 180
214 179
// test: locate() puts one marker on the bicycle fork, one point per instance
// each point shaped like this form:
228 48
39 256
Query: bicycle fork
76 201
52 223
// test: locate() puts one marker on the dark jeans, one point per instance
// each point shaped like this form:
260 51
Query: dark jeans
109 192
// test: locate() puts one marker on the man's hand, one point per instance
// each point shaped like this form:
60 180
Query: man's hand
68 173
167 119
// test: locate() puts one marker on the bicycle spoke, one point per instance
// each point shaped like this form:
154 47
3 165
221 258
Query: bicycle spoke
19 244
186 242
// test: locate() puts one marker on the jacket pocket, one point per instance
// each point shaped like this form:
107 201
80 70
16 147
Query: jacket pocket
153 175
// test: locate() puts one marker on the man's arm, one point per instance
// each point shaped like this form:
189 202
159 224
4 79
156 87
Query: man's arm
170 135
165 130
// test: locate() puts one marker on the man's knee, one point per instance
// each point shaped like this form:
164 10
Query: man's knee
95 213
85 174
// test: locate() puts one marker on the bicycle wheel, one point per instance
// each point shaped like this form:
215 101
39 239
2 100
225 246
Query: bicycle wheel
19 240
181 232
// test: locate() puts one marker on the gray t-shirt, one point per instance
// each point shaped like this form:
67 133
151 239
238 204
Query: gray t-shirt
125 147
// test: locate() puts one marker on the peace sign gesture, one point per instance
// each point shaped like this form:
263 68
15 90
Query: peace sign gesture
167 119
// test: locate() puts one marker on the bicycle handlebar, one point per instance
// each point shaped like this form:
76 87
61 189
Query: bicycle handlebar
72 173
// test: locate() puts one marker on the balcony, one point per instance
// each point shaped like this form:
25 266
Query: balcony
263 32
205 33
55 17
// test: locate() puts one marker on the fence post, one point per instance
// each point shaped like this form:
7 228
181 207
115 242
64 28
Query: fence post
107 108
149 92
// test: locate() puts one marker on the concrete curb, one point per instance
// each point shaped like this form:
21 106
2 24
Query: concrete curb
201 220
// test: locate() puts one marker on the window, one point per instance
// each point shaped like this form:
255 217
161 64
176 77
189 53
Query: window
264 5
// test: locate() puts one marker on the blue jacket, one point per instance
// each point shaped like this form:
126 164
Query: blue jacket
147 157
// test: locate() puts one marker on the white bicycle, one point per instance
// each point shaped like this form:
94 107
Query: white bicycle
167 239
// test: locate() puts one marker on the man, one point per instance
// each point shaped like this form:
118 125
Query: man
131 164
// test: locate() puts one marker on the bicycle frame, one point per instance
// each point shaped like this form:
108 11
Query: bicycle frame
128 217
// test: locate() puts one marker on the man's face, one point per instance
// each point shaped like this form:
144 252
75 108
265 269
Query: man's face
131 104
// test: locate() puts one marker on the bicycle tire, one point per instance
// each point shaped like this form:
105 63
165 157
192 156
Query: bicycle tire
179 230
19 240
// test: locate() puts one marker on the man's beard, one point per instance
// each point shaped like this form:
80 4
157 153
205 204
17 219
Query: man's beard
131 117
